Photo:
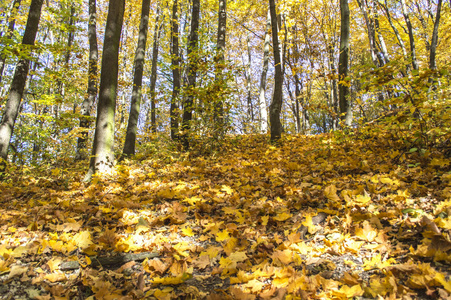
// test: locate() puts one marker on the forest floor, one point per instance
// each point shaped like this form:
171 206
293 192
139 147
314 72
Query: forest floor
315 217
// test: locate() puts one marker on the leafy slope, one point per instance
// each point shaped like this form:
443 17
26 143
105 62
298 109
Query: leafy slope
317 217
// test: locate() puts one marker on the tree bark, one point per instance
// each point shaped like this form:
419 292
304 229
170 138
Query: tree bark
343 89
153 72
250 109
411 37
92 82
9 33
220 65
18 83
135 105
262 89
191 73
395 30
175 66
432 54
370 25
276 104
102 159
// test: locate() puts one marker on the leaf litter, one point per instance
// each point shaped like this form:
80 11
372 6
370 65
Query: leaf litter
315 217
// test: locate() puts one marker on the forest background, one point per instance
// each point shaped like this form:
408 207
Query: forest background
354 96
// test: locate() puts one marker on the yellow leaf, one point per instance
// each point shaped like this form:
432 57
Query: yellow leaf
440 277
187 231
227 189
285 256
282 216
238 256
265 220
172 280
83 239
309 224
367 233
331 193
55 277
17 271
349 292
56 172
222 236
54 264
255 285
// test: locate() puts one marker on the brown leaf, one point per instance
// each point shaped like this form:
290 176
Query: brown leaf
425 221
440 243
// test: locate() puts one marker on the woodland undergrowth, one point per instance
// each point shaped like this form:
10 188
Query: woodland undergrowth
364 214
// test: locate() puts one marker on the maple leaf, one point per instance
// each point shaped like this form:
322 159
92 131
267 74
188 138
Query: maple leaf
331 193
172 280
17 271
283 216
367 233
155 265
187 231
222 236
83 239
284 256
202 262
349 292
254 285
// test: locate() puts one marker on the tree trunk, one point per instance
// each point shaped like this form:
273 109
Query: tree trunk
333 71
343 89
411 38
220 65
9 33
175 66
262 89
369 21
276 104
383 48
250 109
18 84
395 30
102 159
92 81
153 74
191 73
432 54
135 104
59 93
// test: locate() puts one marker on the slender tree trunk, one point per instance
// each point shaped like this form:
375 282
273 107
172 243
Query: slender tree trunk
92 81
343 89
262 89
102 159
395 30
276 104
18 84
135 104
153 74
250 109
192 73
380 37
9 33
59 93
424 23
220 65
411 37
335 101
175 66
432 54
371 32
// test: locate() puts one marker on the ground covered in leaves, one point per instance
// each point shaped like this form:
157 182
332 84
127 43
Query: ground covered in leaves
314 217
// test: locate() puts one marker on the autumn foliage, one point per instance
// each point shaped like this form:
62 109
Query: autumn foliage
332 216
